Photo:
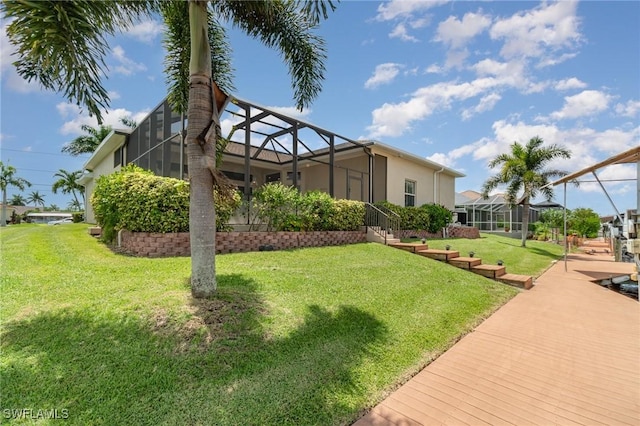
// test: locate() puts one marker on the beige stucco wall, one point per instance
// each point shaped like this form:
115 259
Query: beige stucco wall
316 177
104 168
400 169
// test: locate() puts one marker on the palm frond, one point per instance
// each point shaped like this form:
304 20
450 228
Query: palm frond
61 44
281 25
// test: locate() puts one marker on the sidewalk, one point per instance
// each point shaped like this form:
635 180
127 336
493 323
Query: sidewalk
566 352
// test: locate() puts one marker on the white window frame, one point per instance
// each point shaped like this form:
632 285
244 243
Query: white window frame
409 194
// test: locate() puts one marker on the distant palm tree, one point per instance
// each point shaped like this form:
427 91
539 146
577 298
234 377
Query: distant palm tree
523 170
74 205
52 208
68 184
87 144
17 200
36 199
7 179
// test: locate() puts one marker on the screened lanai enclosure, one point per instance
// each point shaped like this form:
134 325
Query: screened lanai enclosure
493 214
263 145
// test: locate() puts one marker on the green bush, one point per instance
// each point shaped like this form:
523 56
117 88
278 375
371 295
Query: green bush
77 217
428 217
137 200
277 207
348 216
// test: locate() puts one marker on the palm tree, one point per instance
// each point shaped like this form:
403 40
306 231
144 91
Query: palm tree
36 198
74 205
17 200
68 183
73 34
7 179
524 170
87 144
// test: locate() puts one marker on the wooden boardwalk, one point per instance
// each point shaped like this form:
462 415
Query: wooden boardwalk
566 352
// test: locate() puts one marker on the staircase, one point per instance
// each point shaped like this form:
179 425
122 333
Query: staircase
381 224
473 264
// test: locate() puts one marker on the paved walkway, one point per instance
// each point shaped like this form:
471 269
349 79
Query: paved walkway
566 352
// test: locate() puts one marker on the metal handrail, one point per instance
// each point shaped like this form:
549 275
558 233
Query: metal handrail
381 222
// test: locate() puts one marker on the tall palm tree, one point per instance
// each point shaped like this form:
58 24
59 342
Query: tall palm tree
8 178
68 183
198 76
17 200
523 171
36 199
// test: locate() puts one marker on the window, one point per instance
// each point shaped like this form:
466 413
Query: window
409 193
117 157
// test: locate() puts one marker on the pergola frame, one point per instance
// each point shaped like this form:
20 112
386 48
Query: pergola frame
630 156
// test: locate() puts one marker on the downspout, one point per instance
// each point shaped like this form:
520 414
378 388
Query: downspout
435 184
367 151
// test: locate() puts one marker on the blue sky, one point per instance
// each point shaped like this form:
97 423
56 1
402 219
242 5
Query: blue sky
455 82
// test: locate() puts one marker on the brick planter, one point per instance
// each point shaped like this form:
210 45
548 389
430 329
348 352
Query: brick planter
146 244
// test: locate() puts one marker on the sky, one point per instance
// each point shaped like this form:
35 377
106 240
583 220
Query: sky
454 82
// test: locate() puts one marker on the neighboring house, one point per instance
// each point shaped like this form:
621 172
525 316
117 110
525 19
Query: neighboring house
19 210
261 150
494 213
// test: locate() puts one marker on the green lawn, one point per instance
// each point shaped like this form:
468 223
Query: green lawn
312 336
531 260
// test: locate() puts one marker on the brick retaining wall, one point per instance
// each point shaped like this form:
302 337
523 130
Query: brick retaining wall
147 244
454 232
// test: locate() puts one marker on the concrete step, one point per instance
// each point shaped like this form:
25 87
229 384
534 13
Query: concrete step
412 247
489 271
522 281
443 255
465 262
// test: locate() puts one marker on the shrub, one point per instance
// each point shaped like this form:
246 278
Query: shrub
317 210
77 217
277 205
348 216
429 217
137 200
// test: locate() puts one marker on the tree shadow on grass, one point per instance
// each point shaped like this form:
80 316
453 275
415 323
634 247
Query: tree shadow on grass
118 368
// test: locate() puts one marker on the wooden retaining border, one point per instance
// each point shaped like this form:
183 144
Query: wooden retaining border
472 264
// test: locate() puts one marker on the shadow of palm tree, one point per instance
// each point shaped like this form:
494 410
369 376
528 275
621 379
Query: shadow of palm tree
122 368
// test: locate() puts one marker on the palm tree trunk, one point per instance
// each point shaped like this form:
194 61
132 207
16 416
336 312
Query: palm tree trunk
525 221
202 217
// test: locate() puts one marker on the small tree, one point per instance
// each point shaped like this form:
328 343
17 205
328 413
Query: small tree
7 179
18 200
585 222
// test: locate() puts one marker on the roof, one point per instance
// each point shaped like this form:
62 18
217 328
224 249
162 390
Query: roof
630 156
113 141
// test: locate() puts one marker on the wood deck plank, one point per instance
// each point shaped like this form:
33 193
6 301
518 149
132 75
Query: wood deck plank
565 352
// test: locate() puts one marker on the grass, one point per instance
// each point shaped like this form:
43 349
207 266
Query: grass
311 336
532 260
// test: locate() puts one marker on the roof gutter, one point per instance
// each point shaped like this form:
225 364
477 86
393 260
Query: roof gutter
435 184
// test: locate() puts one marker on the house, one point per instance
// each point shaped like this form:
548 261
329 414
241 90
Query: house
494 213
266 145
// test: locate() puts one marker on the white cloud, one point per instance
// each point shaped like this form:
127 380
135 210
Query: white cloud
570 83
630 109
113 95
8 74
383 74
486 104
586 103
125 65
434 69
395 119
537 32
400 31
402 8
457 33
76 119
145 31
